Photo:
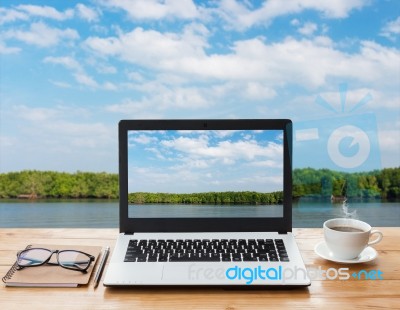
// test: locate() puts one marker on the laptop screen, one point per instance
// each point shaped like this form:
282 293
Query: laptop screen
205 173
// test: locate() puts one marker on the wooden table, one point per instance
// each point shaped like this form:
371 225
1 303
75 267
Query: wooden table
328 294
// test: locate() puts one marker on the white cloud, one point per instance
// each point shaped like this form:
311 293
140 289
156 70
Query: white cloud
149 47
135 76
144 109
267 163
288 61
155 9
308 29
78 72
241 15
226 151
60 84
224 133
295 22
46 11
143 139
11 15
87 13
160 98
392 29
35 114
67 62
191 98
42 35
109 86
127 107
258 91
25 12
105 69
156 152
4 49
85 79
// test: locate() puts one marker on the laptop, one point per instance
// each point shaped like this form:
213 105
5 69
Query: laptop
206 202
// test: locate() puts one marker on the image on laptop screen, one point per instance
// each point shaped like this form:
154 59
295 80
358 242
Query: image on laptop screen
205 173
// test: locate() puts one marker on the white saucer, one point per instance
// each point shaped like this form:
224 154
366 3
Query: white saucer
367 255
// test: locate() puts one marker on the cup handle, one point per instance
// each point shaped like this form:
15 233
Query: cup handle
378 239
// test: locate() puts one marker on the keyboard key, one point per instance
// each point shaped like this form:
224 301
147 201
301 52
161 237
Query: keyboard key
236 257
263 258
226 257
163 258
152 258
130 259
249 258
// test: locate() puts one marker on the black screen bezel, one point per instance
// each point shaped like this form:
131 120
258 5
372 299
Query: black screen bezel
280 224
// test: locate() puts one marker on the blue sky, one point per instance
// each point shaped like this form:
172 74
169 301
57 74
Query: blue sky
70 70
205 161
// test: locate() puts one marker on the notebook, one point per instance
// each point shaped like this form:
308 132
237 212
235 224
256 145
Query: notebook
206 202
49 275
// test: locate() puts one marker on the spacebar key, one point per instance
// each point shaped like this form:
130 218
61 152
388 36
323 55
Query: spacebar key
185 258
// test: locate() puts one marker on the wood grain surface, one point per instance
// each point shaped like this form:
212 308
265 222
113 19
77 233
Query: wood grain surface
322 294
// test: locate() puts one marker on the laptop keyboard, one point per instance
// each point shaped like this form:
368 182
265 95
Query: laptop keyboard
205 250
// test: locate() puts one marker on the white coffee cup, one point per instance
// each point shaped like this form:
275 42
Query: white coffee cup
347 238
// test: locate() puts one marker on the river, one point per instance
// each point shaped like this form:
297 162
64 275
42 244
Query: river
104 214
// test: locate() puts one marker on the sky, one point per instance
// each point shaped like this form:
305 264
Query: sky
70 70
205 161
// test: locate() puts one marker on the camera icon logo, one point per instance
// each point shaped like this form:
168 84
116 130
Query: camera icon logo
357 139
347 142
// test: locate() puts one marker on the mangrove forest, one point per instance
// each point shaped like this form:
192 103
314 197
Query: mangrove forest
307 182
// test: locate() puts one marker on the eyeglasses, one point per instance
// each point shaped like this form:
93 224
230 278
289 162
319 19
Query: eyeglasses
69 259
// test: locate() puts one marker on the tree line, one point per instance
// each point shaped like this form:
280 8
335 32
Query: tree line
245 197
51 184
311 182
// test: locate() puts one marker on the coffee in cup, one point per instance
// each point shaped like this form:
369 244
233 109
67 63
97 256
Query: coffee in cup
347 238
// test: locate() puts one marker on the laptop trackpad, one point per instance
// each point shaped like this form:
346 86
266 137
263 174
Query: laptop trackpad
147 273
175 273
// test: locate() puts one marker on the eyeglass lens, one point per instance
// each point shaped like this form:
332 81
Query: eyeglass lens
73 259
33 257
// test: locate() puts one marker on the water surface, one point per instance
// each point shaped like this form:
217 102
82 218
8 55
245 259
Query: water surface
104 214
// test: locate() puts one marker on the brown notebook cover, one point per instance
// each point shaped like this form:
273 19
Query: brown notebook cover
49 275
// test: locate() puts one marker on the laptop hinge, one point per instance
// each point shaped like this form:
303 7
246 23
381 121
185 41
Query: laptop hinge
128 233
282 232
